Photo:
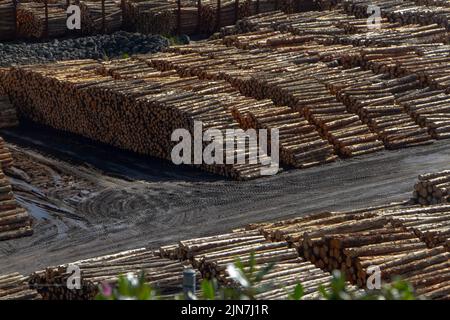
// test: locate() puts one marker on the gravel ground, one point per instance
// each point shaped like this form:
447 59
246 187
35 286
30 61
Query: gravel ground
93 47
90 199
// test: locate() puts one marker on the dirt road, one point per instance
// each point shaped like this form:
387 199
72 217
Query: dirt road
90 200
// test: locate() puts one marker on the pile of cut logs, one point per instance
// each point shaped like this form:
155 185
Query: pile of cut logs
430 223
164 275
430 109
432 188
150 17
93 21
7 21
8 114
429 62
31 21
404 12
394 251
211 255
14 220
6 159
400 239
15 286
374 100
132 114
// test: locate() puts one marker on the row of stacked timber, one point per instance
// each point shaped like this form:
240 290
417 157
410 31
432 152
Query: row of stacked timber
430 223
374 100
132 114
429 62
337 126
15 286
212 255
193 16
15 221
31 21
404 12
8 114
300 145
8 20
430 110
432 188
98 17
6 159
393 125
398 240
163 275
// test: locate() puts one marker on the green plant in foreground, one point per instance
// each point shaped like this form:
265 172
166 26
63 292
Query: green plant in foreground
338 290
248 284
128 287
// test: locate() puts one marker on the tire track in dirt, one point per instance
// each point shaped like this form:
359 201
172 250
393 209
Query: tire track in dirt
134 201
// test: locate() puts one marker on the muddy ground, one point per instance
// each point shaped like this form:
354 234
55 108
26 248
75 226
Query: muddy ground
89 199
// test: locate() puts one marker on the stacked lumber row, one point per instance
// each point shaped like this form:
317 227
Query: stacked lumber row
394 251
15 286
336 26
404 12
15 221
6 159
213 17
429 62
340 128
155 17
412 34
402 240
211 255
8 114
7 21
299 144
430 223
350 136
92 17
430 108
432 188
164 275
374 100
31 20
294 230
131 114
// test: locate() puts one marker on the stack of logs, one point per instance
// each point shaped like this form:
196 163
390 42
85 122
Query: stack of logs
8 114
430 110
93 21
402 240
31 21
432 188
15 286
6 159
211 255
14 220
163 275
7 21
133 114
404 12
300 145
